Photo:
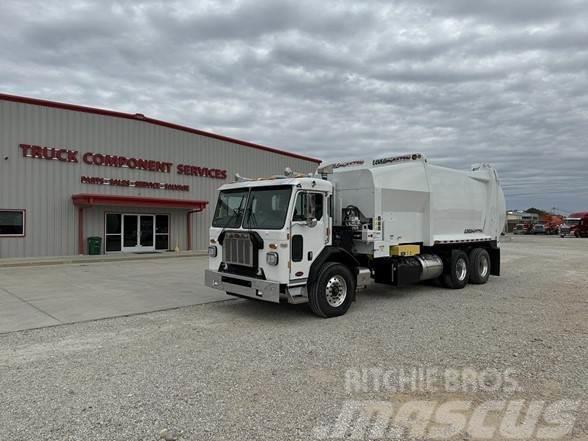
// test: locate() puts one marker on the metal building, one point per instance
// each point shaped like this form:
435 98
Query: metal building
69 172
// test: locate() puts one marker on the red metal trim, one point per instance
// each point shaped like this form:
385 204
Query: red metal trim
141 117
24 223
87 200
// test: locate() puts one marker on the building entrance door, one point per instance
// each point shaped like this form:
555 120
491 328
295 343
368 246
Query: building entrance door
138 231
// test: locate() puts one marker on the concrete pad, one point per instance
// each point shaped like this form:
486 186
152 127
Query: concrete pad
48 295
17 315
67 260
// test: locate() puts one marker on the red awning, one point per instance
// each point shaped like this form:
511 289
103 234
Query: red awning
88 200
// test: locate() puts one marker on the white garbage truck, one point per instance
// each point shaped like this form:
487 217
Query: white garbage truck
317 238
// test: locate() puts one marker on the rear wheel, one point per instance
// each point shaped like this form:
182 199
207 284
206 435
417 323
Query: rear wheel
458 271
479 266
331 293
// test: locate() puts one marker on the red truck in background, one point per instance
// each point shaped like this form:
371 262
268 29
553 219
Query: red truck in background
576 224
548 224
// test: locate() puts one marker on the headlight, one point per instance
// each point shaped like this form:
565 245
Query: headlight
271 258
212 251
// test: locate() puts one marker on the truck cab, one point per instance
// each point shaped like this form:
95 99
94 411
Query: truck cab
266 234
576 224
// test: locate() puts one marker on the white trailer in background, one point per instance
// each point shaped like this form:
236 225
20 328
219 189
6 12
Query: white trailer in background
395 221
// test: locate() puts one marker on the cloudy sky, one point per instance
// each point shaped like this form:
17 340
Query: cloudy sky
463 81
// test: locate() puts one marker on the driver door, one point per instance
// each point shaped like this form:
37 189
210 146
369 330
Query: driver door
308 232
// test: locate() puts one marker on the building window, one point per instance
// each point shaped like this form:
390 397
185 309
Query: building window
113 232
12 223
162 232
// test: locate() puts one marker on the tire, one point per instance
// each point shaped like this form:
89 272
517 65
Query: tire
332 292
479 266
458 270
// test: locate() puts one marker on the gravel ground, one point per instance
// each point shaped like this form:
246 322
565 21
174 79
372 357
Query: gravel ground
247 370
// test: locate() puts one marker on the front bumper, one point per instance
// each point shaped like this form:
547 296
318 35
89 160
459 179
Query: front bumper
243 286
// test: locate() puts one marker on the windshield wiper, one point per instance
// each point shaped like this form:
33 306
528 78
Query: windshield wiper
236 212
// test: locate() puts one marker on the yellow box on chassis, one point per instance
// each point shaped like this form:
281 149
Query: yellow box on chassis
405 250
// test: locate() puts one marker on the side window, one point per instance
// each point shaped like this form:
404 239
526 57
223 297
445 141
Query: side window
308 205
299 207
297 248
12 223
316 205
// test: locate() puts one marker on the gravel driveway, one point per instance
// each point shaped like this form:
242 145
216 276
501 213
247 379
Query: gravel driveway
239 370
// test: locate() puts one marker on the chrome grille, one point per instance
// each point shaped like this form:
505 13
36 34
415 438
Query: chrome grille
238 249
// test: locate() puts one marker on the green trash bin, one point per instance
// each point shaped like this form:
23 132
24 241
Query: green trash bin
94 245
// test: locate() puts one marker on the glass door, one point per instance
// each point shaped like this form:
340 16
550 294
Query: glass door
146 231
130 241
138 233
113 232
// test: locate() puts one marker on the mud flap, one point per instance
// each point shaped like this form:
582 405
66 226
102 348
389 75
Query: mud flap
494 261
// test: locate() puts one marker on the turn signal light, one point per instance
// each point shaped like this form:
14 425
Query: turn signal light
271 258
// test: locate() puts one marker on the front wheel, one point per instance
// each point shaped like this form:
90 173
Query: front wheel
331 293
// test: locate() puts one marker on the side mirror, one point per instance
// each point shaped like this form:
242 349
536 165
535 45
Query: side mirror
311 222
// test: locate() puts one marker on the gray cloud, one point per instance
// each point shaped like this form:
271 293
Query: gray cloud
516 12
462 81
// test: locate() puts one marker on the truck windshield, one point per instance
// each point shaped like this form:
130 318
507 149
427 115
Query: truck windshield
230 208
267 207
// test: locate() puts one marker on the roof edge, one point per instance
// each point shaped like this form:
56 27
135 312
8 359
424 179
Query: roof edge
141 117
91 199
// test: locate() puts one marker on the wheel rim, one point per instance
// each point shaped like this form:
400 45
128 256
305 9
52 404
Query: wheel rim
336 291
483 266
461 269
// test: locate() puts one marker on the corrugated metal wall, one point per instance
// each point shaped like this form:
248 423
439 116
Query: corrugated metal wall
44 188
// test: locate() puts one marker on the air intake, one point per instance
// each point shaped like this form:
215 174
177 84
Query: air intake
238 249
